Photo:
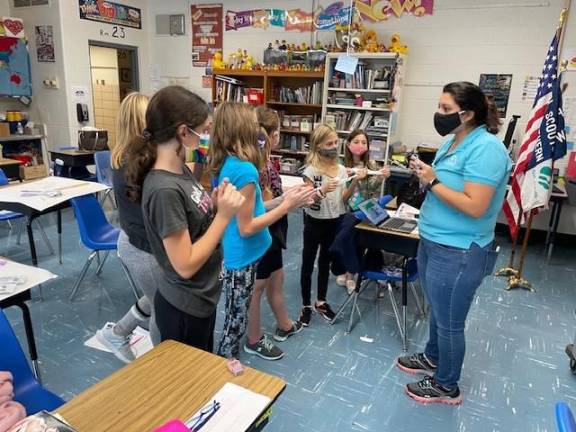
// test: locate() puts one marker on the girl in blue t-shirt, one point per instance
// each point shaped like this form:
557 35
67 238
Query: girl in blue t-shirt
235 154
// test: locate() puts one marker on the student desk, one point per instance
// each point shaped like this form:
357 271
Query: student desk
370 237
73 157
35 206
171 381
34 276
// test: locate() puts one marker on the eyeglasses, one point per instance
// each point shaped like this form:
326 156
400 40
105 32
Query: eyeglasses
195 423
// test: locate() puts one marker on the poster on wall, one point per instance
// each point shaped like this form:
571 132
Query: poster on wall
15 75
110 13
206 32
45 44
497 86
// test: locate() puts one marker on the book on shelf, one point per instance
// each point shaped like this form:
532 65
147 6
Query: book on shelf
297 123
233 90
348 121
366 77
311 95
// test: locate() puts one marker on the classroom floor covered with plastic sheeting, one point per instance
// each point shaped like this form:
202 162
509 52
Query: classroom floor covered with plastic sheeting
514 372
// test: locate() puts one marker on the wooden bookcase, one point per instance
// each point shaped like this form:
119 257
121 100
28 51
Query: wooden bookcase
389 114
270 81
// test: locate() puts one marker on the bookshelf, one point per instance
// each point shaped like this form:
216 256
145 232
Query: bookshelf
370 99
297 96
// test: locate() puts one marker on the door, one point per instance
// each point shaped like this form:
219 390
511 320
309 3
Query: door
114 70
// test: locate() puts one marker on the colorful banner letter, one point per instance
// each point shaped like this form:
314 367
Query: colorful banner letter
277 17
237 20
110 13
329 18
297 19
380 10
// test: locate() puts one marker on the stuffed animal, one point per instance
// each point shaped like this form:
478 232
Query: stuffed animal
396 46
370 41
217 62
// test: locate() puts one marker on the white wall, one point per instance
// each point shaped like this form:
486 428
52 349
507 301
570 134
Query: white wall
77 35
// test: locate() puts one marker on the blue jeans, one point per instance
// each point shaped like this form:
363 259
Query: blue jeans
449 276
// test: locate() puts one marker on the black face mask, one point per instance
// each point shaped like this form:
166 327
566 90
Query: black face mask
446 123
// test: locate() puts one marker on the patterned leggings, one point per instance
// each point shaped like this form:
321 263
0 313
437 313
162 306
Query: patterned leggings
238 286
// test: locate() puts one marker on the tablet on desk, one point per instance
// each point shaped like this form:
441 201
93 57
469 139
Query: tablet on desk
380 218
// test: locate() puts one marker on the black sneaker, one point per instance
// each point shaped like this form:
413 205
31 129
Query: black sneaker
281 335
416 364
428 391
305 316
265 349
326 311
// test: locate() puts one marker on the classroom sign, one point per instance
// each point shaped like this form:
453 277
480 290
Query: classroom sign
110 13
328 18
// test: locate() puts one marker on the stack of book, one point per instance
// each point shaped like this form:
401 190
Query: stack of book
302 95
232 90
379 126
366 78
348 121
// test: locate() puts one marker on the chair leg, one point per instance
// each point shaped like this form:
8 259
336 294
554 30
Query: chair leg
20 230
98 257
401 329
101 264
44 236
419 306
130 280
82 274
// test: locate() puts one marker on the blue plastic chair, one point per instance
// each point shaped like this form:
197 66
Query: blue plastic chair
564 418
7 216
27 390
95 232
104 173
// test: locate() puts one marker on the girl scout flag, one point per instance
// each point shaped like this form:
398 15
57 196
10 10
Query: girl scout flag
544 142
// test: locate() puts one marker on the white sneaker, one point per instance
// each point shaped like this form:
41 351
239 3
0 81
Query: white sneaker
120 346
350 286
341 280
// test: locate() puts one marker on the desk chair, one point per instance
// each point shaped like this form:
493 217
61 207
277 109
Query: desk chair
95 232
27 390
104 173
564 418
8 216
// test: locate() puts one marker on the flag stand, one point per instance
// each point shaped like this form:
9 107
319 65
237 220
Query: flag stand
516 280
510 270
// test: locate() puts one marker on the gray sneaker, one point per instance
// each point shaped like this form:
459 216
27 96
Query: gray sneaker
265 349
281 335
120 346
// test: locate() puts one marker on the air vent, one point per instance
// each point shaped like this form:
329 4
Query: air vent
28 3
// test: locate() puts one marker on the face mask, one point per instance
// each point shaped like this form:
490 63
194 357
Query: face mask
328 153
357 149
446 123
200 153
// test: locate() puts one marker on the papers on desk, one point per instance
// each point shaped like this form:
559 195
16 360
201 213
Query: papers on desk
239 408
30 277
48 192
405 211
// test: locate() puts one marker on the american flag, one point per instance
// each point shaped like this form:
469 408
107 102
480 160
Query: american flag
544 142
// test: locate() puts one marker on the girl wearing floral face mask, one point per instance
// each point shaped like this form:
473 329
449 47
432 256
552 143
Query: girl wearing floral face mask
363 186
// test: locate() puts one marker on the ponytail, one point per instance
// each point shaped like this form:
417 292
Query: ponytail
142 158
492 117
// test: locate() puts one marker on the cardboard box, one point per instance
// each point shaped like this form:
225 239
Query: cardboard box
33 171
4 129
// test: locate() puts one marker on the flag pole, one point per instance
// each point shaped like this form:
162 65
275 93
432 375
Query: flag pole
510 270
516 281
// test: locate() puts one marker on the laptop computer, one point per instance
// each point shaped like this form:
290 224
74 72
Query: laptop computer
380 218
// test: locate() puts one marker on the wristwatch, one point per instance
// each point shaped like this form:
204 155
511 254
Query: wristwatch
431 184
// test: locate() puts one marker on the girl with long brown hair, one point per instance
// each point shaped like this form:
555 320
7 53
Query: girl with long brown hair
183 227
235 153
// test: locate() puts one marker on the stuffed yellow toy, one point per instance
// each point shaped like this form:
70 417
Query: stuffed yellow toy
396 46
217 62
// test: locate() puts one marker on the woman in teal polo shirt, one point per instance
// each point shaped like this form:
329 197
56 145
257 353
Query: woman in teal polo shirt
466 186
